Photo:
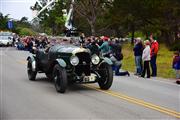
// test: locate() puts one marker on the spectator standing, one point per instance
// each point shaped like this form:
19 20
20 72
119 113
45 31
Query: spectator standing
37 43
30 43
154 51
88 43
20 45
176 65
138 49
105 48
100 41
94 47
44 42
146 58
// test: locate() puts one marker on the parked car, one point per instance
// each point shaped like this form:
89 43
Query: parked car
70 64
6 39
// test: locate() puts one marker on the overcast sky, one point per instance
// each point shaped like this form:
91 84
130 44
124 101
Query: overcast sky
17 8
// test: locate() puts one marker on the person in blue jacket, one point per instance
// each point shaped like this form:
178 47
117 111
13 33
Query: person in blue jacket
176 65
138 49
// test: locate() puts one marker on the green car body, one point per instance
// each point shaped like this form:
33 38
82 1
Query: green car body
70 64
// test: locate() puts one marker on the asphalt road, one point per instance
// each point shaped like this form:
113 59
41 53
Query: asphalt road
129 97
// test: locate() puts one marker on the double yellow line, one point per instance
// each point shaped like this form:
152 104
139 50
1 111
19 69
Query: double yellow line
132 100
137 101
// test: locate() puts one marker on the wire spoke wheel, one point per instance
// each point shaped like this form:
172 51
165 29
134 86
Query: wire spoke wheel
106 74
60 78
31 73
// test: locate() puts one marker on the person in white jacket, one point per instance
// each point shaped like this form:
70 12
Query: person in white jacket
146 58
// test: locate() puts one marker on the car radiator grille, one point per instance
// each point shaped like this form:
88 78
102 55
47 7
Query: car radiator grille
84 64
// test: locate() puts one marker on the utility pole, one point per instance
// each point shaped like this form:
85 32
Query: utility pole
49 4
44 4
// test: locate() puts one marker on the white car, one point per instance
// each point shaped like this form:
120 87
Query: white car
6 39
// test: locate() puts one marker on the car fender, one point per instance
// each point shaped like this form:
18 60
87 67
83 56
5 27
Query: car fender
33 62
61 62
31 57
106 60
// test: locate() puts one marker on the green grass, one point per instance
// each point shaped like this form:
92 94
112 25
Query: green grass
164 61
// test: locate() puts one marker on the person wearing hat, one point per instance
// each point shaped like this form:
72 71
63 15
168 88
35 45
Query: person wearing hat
104 48
138 49
146 58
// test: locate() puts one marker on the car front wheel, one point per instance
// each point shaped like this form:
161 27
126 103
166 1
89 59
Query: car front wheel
31 73
106 74
60 78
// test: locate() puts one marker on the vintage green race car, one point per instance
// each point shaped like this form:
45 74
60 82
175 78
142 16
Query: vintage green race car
70 64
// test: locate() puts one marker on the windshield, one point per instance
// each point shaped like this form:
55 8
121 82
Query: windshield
5 34
3 37
64 40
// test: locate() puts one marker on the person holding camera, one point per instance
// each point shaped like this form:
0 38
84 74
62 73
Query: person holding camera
116 57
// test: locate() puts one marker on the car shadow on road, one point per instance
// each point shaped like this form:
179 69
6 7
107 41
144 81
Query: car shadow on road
72 88
44 80
78 87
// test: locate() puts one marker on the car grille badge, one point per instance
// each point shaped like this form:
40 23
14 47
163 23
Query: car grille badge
84 63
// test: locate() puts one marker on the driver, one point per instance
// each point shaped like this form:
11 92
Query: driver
50 44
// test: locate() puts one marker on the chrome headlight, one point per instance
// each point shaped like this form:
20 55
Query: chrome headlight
74 60
95 59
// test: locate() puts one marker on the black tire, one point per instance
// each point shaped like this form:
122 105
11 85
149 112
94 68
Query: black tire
7 45
31 74
60 78
106 74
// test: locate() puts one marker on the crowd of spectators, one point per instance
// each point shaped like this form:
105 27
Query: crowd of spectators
145 52
28 42
107 47
145 56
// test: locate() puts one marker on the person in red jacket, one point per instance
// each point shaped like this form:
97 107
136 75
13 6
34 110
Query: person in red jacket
154 51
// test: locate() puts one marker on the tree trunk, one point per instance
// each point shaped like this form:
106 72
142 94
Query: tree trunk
93 32
117 31
177 39
133 31
53 29
167 37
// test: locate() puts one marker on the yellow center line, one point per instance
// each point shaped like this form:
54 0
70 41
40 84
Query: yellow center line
22 61
130 99
137 101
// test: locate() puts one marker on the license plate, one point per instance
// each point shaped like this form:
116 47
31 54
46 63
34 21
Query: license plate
91 78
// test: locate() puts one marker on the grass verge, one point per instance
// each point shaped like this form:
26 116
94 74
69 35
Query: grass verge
164 61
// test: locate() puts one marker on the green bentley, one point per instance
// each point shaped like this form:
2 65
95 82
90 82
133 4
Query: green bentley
70 64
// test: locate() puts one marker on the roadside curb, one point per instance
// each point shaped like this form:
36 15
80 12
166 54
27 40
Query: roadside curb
169 80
